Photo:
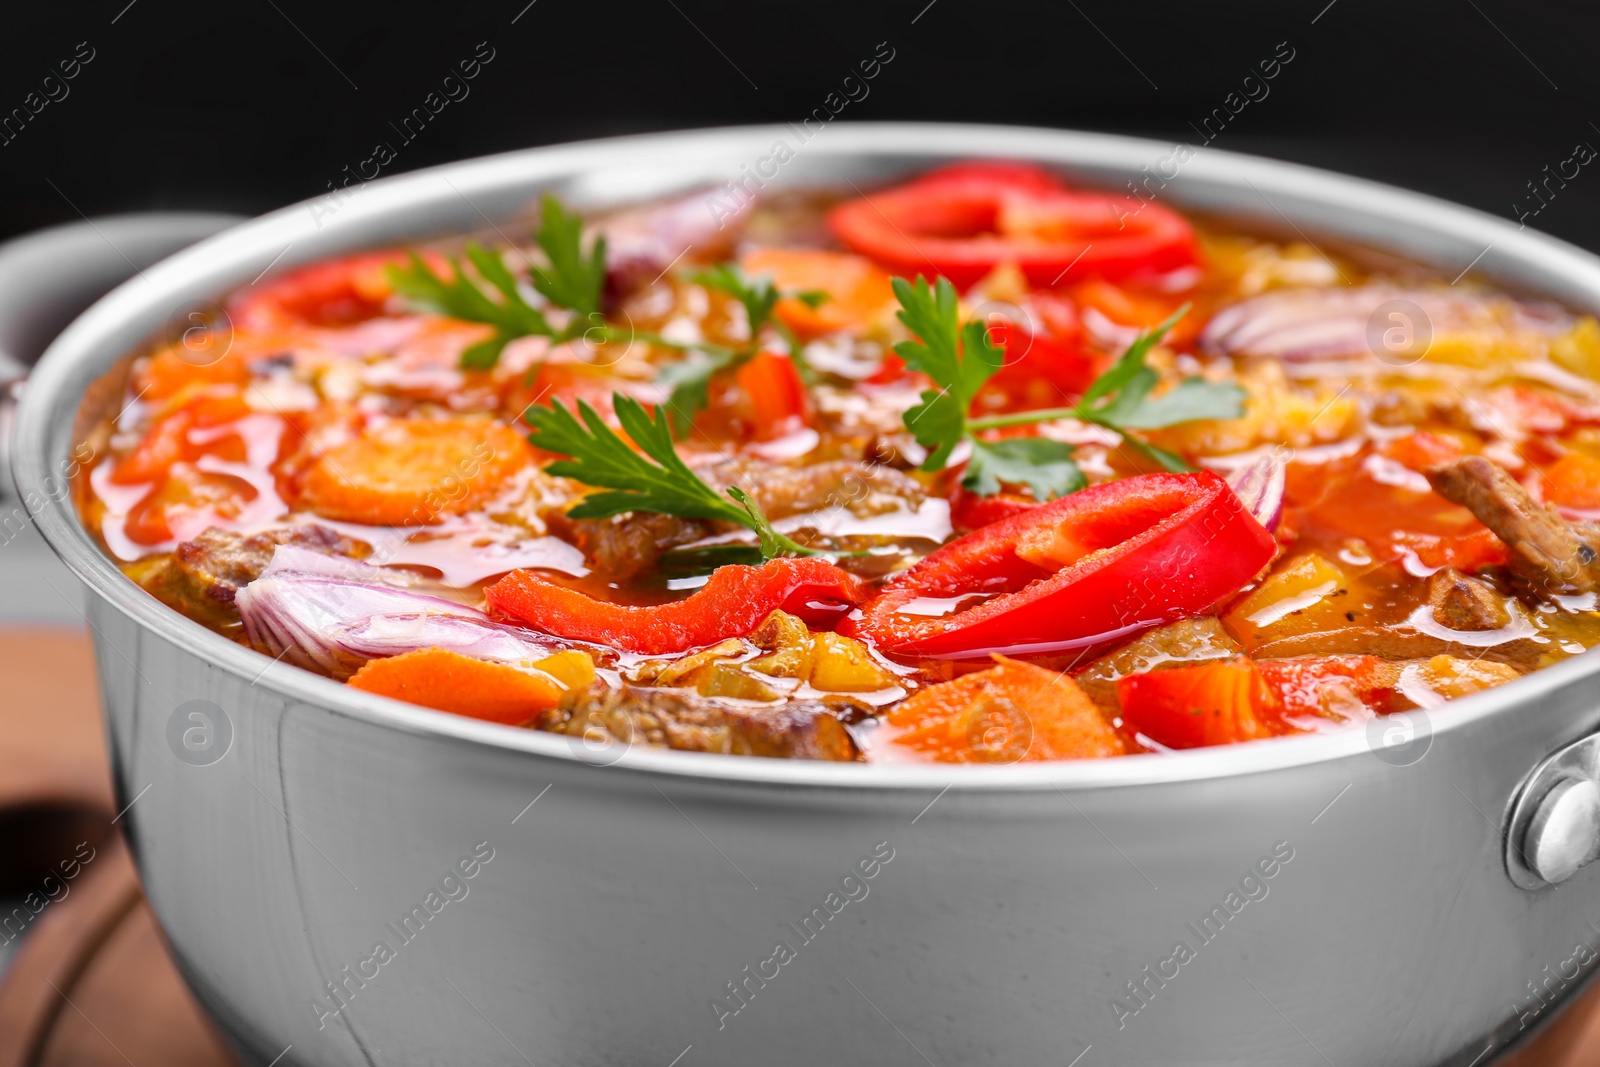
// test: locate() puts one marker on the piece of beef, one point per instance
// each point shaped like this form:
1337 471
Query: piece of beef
200 577
780 491
1462 602
625 546
1551 554
1395 642
797 729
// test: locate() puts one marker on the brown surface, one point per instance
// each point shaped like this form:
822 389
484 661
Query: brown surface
93 985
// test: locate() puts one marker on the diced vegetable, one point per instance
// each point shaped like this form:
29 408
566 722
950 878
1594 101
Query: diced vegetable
1306 593
448 681
1451 678
1107 561
1011 712
857 291
1424 449
1573 481
414 472
842 665
1578 350
1333 687
1205 704
732 603
776 395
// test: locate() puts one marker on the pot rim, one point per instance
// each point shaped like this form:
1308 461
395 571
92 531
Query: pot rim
1357 209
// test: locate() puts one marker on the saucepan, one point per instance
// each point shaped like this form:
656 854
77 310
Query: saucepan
349 880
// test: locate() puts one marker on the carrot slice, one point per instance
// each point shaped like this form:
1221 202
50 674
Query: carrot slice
206 359
858 290
1010 713
1573 481
448 681
777 396
413 472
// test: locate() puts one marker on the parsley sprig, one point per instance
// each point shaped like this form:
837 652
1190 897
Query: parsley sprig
657 480
960 358
571 278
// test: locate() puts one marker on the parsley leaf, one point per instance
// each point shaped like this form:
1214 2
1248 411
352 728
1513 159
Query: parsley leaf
572 280
1043 465
1188 401
958 358
601 458
758 295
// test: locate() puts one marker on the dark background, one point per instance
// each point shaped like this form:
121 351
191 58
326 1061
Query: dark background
252 104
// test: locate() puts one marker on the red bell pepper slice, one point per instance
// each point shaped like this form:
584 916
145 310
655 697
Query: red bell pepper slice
732 603
335 293
969 511
1215 703
963 222
1104 562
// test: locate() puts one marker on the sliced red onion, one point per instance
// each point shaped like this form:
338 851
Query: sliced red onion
1306 324
333 614
1259 486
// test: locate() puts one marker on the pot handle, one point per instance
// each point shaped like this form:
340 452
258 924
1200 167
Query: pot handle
1555 821
47 278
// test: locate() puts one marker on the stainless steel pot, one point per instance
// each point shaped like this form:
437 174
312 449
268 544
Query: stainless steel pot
648 907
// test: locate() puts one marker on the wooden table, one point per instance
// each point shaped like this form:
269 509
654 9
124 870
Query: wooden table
93 983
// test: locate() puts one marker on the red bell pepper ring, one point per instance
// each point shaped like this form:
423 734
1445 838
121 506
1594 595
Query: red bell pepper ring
964 222
1102 563
732 603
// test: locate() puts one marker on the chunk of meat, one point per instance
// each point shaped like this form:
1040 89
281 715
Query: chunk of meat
1551 554
797 729
625 546
200 577
1186 641
1462 602
1400 643
861 488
